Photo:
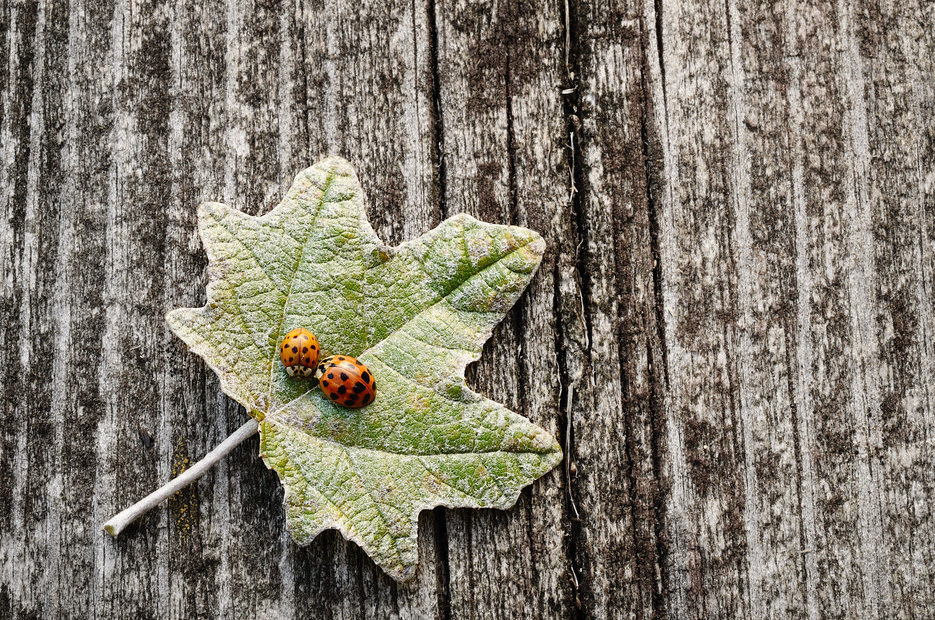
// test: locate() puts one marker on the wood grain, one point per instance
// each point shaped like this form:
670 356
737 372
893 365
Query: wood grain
731 331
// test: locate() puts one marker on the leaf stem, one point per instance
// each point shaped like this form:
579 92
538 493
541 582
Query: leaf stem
120 521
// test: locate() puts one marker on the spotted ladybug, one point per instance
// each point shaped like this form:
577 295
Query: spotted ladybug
346 381
299 353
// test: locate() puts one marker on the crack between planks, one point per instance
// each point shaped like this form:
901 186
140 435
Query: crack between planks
571 106
442 564
436 123
657 10
510 144
654 164
437 117
566 439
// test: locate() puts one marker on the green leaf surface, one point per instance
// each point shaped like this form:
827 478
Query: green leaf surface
416 315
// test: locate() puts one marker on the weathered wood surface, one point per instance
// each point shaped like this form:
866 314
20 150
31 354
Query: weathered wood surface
731 333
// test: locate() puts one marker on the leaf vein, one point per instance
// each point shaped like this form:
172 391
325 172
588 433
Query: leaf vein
295 268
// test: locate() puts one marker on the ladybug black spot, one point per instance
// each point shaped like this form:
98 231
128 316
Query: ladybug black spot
340 358
324 383
342 389
366 398
344 376
359 387
334 396
304 349
295 349
331 375
365 376
349 402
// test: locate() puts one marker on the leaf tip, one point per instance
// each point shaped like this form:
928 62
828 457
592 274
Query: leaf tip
537 246
211 210
174 318
337 166
400 572
179 318
555 454
462 219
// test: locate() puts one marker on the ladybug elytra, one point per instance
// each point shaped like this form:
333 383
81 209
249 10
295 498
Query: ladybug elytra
346 381
299 353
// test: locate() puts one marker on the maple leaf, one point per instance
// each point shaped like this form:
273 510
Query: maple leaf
416 315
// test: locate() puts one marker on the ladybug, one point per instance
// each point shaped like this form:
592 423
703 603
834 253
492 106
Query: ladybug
346 381
299 353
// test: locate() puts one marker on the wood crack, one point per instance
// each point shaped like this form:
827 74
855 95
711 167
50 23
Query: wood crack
437 120
657 349
581 259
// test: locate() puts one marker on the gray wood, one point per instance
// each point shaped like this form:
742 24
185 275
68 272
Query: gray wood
731 332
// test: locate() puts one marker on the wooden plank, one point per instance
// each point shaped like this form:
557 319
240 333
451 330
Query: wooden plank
776 411
56 270
705 460
617 436
502 143
223 102
369 93
889 66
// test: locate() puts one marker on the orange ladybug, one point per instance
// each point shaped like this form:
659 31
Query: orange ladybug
346 381
299 353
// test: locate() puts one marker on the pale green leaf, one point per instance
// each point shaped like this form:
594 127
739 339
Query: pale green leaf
416 315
